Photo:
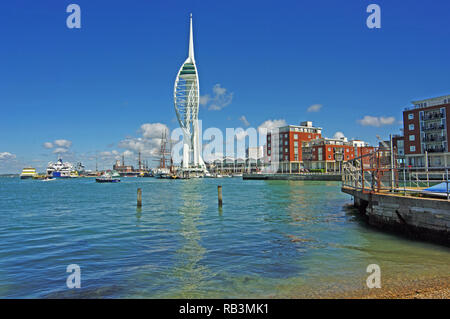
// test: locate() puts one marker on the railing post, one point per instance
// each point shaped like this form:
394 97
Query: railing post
404 180
362 176
446 182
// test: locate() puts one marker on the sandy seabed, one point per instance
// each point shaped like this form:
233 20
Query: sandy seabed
430 288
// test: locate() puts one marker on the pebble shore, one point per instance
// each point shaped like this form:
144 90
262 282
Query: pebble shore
430 288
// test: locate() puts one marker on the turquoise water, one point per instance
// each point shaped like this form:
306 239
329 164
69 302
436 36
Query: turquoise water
271 239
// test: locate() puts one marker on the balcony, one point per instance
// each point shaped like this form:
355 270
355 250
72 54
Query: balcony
435 150
432 116
433 128
434 139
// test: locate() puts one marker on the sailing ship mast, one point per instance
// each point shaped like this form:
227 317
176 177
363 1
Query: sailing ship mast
164 151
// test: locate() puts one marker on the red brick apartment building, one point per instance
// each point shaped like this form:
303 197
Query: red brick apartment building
426 133
328 154
298 147
285 144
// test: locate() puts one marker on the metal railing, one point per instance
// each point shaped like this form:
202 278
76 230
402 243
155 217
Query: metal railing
379 172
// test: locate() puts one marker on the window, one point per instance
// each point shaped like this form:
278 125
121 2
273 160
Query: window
268 138
296 157
268 145
329 156
286 158
286 150
348 150
412 137
295 136
412 148
295 144
285 136
329 149
268 152
411 116
411 127
309 136
285 142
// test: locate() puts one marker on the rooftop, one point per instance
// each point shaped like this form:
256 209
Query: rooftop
440 100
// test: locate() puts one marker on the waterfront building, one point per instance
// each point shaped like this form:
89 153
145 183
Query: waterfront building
284 144
186 101
328 154
398 143
230 165
426 133
256 152
124 170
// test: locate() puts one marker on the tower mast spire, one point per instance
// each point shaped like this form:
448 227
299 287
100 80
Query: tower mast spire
191 41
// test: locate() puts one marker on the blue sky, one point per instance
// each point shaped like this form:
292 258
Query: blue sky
96 86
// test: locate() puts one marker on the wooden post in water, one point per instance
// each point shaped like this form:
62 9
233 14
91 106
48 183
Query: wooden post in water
219 194
139 198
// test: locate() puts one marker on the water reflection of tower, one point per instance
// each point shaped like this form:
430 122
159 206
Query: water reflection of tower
191 274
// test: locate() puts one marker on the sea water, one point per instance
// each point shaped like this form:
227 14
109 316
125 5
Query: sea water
272 239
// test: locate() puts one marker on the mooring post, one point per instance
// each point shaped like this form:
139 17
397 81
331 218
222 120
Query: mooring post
219 194
139 197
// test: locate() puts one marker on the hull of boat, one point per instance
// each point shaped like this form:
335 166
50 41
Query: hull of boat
99 180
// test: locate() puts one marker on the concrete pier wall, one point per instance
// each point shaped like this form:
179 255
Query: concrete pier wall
417 217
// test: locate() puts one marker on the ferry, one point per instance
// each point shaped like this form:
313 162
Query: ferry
28 172
61 170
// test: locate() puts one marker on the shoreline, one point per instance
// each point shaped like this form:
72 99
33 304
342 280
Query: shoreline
429 288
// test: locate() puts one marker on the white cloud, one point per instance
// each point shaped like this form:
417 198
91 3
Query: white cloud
153 130
63 143
148 144
127 153
314 108
60 150
60 146
219 100
244 121
376 121
111 155
105 154
338 135
272 124
6 156
204 99
48 145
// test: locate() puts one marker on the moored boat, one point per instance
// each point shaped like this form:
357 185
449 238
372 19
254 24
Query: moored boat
28 172
61 170
108 178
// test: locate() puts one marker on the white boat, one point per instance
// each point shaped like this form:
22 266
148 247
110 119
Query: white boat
107 178
162 172
237 175
61 170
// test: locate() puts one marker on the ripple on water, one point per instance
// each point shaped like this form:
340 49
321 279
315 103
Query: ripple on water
271 239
